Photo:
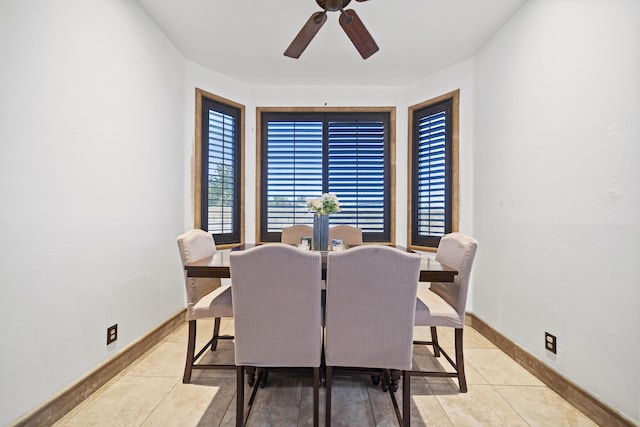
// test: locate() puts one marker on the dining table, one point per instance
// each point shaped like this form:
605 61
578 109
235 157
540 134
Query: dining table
217 265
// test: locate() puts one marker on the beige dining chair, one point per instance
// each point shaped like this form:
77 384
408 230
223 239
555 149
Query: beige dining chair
277 315
350 235
206 298
370 308
292 235
443 304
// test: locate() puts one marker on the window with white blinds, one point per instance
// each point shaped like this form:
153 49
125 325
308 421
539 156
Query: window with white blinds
304 155
356 173
294 171
220 189
431 179
431 197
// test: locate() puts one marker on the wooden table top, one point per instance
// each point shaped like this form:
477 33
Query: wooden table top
218 266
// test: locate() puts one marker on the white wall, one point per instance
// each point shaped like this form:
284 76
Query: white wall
557 189
97 120
91 107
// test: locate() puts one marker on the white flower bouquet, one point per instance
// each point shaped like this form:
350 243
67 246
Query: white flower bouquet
326 205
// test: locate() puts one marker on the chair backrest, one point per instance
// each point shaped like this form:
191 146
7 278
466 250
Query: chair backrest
456 250
370 307
194 245
276 306
349 234
292 235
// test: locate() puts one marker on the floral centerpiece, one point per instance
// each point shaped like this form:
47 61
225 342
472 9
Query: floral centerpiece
326 205
323 207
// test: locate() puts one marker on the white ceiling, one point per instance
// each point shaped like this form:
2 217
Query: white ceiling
246 39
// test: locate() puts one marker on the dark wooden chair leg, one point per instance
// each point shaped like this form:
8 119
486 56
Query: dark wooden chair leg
316 397
264 378
239 396
216 334
327 384
322 360
251 375
434 342
386 380
191 349
462 381
395 380
406 398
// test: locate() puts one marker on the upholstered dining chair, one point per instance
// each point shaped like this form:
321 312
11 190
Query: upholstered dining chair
292 235
277 315
443 304
206 298
350 235
370 308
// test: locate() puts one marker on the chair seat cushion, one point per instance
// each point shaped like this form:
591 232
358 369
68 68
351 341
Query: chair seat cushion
432 310
217 303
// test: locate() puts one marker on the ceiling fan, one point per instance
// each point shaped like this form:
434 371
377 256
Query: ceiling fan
349 21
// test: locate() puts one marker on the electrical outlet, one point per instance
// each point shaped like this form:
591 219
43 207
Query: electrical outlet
112 334
550 342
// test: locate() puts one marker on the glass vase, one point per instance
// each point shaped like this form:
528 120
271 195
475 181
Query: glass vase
320 232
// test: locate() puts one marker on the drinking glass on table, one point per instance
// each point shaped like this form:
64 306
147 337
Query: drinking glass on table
305 243
337 245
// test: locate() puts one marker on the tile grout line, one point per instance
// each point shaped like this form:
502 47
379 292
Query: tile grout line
440 404
160 401
493 387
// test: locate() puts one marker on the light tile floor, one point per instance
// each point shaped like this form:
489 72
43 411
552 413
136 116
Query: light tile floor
150 393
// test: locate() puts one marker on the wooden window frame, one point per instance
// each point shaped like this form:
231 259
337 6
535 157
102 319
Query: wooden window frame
391 111
198 165
452 226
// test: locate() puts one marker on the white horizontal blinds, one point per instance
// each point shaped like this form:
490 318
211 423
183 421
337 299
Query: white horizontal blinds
356 173
220 177
306 154
294 171
431 162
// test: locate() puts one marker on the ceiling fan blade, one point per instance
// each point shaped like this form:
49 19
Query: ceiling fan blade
358 33
306 34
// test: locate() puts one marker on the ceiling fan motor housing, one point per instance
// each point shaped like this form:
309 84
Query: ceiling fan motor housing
333 5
